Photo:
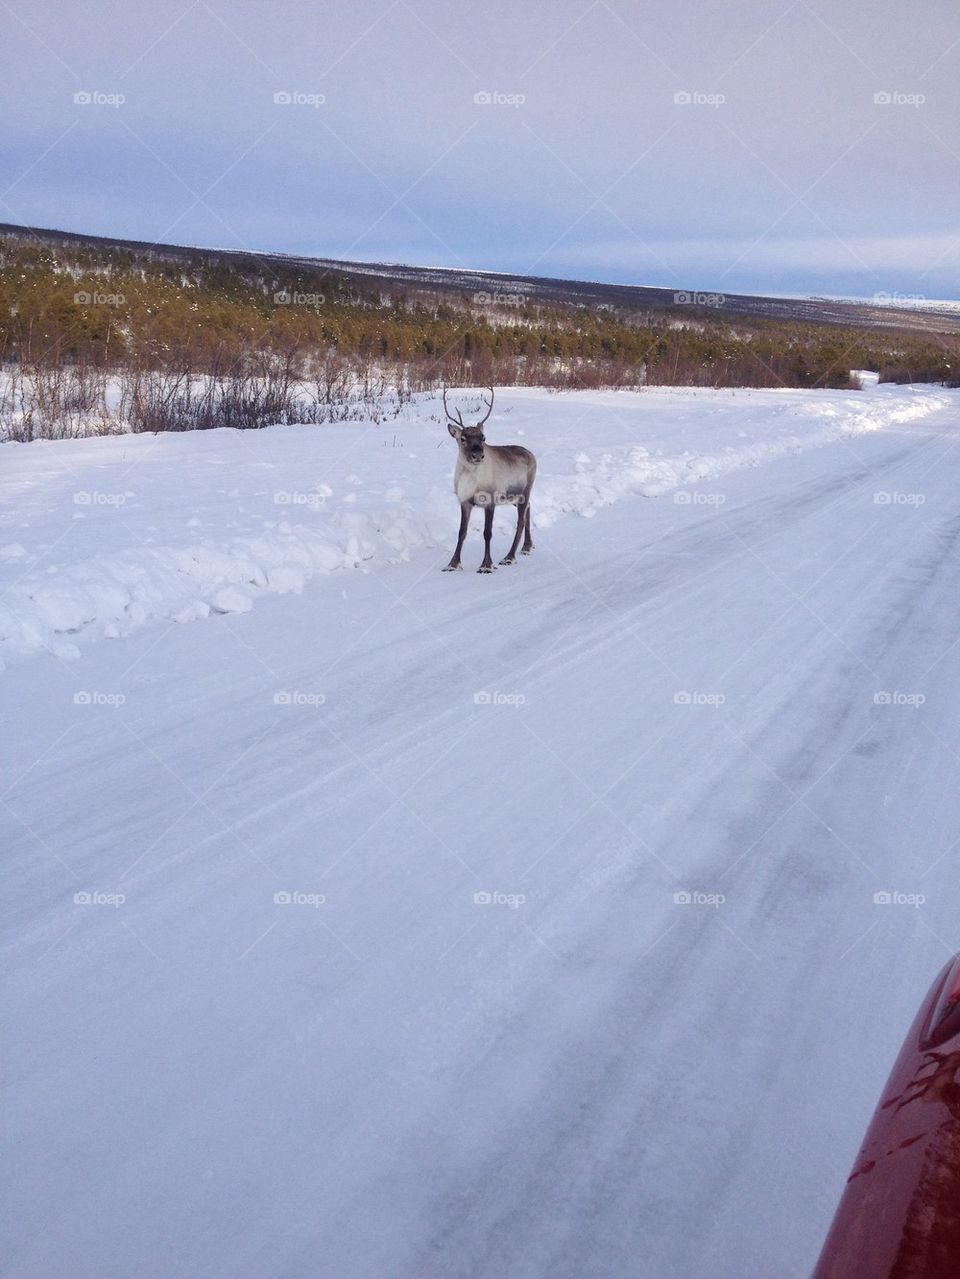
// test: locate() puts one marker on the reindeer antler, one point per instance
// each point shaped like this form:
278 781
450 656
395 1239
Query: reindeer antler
489 408
458 419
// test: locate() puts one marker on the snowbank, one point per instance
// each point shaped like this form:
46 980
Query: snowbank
651 475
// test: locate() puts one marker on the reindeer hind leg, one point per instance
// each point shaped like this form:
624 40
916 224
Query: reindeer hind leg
511 555
527 539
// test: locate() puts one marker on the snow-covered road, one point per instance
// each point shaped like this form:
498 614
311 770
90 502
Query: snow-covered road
531 925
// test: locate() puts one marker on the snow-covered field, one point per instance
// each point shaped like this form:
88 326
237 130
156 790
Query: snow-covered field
100 536
383 922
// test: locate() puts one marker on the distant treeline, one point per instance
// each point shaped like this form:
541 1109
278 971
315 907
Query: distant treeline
109 308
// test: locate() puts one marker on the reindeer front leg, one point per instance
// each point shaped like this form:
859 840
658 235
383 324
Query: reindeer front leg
486 564
465 509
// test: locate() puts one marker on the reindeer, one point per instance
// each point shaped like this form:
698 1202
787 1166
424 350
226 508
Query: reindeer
490 475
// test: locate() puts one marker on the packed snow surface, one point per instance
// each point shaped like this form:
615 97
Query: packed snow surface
364 920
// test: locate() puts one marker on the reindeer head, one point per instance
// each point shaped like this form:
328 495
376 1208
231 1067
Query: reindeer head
470 438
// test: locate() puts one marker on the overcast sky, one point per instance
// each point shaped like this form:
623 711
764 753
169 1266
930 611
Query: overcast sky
743 145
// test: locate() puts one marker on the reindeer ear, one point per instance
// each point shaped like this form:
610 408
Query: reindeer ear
454 431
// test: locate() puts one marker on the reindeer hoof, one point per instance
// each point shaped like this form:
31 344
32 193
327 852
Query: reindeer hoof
485 568
453 568
508 559
526 550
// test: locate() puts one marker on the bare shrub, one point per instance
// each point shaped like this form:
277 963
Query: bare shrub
154 400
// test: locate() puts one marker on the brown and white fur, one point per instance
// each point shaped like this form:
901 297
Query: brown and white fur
490 475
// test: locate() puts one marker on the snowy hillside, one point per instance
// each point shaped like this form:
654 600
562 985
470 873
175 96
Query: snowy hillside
368 921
